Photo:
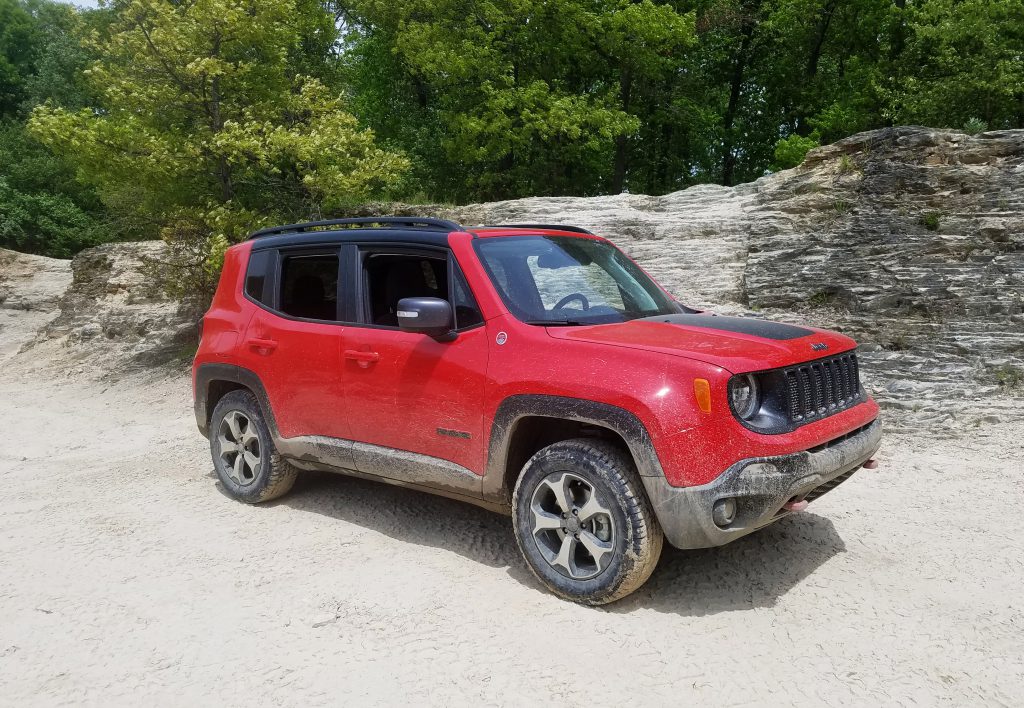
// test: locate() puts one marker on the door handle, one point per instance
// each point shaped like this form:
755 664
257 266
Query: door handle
262 346
364 357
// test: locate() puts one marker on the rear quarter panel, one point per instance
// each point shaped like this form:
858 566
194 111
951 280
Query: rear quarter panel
229 314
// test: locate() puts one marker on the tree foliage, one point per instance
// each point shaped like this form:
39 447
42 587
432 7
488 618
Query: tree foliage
964 60
204 119
44 208
524 97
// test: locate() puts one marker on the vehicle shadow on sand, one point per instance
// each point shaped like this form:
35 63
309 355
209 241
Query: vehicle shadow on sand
752 572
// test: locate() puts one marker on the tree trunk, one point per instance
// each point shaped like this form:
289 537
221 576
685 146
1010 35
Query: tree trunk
227 190
735 88
898 40
820 34
622 141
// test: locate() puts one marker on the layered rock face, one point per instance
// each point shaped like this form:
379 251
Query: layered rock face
30 290
111 313
912 241
909 239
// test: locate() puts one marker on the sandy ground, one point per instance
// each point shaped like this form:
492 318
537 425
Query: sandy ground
128 577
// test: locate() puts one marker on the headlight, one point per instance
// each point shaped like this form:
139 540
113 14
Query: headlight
744 396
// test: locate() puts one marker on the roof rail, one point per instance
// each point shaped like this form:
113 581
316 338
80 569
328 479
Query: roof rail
550 227
414 222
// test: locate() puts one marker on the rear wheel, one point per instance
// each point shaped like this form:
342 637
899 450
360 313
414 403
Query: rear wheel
244 455
583 522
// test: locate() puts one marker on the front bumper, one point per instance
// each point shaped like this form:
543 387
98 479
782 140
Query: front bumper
761 486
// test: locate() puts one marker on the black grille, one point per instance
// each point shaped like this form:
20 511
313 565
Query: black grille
820 388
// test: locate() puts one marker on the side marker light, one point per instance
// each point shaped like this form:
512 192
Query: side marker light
702 390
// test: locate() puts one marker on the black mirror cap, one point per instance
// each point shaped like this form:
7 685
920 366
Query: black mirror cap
426 315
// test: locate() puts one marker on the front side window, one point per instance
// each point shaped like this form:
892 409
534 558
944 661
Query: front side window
309 286
560 280
389 277
393 276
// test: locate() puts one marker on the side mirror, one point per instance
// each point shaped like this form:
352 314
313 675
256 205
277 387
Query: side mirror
426 315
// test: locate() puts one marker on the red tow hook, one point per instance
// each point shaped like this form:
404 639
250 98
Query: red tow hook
870 465
795 505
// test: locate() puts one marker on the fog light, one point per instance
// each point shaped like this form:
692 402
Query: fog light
724 512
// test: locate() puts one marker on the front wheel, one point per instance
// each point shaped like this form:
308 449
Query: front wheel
583 522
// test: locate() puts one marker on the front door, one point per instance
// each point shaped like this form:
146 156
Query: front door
409 392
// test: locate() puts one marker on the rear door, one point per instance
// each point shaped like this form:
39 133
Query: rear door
293 341
409 391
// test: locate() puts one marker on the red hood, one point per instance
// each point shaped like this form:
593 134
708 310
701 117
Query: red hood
765 345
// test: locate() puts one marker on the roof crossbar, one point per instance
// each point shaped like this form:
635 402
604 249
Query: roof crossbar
388 222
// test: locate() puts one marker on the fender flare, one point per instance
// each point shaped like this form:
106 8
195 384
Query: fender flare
515 408
208 373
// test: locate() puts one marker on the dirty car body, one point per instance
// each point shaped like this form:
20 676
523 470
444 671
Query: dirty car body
430 355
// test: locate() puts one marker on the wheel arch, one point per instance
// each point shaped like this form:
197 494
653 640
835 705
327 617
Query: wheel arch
214 381
525 423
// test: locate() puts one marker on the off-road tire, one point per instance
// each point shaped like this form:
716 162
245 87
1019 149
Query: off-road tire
637 540
276 475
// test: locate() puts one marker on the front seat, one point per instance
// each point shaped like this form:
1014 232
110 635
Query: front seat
404 279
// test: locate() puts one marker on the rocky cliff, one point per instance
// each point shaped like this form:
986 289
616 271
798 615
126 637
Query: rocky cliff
909 239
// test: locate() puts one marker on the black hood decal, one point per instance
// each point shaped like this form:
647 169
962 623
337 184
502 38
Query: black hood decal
742 325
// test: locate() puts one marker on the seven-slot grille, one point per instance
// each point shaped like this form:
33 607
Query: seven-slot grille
820 388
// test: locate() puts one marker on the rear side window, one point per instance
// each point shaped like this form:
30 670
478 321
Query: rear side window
258 275
309 286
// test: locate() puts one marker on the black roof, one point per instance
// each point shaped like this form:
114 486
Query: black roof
396 229
312 238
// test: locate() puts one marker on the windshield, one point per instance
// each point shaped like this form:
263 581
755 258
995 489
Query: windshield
562 280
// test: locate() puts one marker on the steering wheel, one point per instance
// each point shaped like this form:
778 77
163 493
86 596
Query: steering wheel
573 296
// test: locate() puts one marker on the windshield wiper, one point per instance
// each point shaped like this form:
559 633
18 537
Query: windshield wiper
556 323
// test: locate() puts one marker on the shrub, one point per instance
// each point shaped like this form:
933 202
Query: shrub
975 126
791 151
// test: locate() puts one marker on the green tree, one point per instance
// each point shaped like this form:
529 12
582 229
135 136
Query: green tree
18 42
60 59
963 60
514 98
208 121
43 207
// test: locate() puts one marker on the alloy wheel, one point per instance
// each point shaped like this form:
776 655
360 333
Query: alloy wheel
240 453
572 527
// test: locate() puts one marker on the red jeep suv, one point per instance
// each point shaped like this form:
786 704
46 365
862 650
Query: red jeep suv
530 369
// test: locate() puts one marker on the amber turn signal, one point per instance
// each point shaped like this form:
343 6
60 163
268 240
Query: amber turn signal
702 390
